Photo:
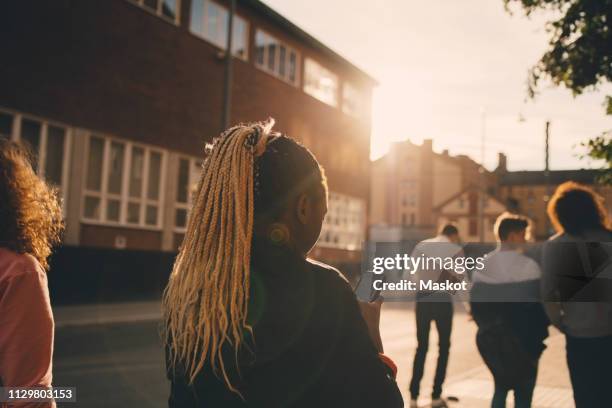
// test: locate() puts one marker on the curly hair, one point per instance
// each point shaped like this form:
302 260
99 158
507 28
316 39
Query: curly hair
575 208
30 213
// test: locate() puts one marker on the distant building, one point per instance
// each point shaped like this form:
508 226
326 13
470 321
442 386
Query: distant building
462 209
409 183
118 98
527 192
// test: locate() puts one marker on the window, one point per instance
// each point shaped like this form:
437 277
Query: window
48 142
188 174
353 101
210 21
6 125
123 183
344 225
412 199
276 57
167 9
320 82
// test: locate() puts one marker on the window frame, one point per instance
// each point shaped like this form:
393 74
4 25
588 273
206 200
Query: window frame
334 231
191 181
338 92
124 197
289 49
203 35
356 92
41 155
158 13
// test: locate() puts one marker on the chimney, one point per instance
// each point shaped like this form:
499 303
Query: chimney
428 144
445 152
502 163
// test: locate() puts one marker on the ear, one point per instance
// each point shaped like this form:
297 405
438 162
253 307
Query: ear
303 208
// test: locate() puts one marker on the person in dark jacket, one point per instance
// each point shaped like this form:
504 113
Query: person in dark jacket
250 321
512 324
577 288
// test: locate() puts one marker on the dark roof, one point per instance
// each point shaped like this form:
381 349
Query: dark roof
555 177
304 36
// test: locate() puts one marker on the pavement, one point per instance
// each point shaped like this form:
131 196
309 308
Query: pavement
112 353
467 376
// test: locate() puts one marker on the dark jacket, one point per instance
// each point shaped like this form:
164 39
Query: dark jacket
512 326
310 345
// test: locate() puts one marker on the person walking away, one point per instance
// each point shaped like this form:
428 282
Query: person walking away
434 307
250 321
512 324
577 271
30 224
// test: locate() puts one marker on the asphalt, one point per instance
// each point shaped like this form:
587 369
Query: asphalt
113 355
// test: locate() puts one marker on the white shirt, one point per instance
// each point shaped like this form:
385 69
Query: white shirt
506 266
436 247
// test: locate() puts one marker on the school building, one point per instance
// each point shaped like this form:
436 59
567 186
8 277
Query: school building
117 99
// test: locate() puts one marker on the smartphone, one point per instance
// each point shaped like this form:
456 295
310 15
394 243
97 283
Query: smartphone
365 286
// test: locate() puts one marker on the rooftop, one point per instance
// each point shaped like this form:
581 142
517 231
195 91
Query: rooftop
555 177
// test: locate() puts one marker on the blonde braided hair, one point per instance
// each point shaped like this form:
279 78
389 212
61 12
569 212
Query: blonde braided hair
205 302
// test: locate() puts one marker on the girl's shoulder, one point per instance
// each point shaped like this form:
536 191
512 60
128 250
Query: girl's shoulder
327 273
13 263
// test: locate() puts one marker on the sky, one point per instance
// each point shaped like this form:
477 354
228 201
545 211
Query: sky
452 71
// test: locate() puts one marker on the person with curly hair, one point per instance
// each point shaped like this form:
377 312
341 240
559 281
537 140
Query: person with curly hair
577 266
30 224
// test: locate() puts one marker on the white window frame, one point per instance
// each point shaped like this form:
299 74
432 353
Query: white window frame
320 66
340 230
221 32
348 90
177 19
41 154
124 198
264 66
192 179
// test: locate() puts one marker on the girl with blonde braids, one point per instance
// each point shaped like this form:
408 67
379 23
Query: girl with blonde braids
249 320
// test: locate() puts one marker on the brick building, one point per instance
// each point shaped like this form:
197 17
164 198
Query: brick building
118 98
527 192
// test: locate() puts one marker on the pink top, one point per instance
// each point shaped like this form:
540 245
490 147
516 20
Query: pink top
26 325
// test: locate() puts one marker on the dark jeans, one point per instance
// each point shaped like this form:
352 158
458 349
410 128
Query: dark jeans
589 360
442 314
523 391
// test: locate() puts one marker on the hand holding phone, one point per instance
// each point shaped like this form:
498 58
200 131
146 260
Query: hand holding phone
370 303
371 314
365 287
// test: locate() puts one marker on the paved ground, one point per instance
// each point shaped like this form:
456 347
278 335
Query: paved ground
112 355
467 377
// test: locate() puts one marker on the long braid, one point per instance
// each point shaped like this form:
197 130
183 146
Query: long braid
205 302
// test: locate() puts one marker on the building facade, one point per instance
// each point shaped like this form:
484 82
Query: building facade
463 210
409 183
118 98
528 192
